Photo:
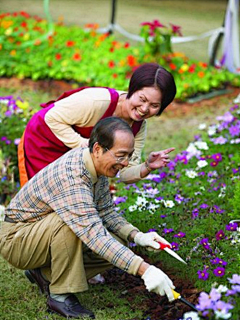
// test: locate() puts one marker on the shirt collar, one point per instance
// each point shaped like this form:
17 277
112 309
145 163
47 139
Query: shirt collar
90 165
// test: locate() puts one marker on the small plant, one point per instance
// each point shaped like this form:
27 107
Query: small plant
158 37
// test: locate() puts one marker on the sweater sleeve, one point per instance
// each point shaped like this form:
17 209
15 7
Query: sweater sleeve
131 174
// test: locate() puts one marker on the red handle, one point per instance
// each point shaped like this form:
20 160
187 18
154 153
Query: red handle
163 245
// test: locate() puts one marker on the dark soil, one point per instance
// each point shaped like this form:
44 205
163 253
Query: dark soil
153 306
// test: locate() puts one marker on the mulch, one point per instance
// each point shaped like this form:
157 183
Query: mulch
153 306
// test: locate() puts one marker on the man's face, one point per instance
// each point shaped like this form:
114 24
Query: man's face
107 161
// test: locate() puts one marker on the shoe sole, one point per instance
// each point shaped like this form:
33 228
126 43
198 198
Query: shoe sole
68 317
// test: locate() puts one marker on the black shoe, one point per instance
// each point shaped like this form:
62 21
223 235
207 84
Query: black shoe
35 276
70 308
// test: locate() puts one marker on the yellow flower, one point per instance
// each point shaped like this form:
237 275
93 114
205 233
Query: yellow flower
8 32
64 63
185 67
13 53
26 36
22 105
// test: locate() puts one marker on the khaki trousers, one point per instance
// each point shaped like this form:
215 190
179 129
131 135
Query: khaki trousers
50 244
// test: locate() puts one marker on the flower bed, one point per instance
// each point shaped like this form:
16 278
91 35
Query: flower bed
31 48
193 204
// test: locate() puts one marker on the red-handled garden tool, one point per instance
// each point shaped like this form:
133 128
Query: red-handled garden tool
178 296
167 248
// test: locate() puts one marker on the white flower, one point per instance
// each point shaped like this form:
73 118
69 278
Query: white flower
168 203
132 208
202 126
201 145
212 130
202 163
222 315
191 316
141 202
191 174
222 289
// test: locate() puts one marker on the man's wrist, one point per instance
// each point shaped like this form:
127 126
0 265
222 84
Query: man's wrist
132 235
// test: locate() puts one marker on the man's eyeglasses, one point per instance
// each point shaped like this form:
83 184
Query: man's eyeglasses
128 157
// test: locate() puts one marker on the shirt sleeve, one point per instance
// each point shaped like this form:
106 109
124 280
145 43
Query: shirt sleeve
79 211
82 109
131 174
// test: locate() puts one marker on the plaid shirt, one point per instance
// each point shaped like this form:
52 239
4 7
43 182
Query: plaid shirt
70 187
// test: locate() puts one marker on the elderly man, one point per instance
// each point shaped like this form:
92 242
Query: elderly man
62 227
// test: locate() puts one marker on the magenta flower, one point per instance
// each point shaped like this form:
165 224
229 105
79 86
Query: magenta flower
203 274
153 26
232 226
204 206
219 272
217 157
176 29
220 235
234 131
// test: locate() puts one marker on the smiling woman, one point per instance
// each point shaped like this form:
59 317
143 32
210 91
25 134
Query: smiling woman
67 122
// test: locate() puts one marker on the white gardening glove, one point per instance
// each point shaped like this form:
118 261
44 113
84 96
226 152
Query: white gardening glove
157 281
149 239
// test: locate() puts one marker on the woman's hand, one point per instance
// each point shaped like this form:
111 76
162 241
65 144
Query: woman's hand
159 159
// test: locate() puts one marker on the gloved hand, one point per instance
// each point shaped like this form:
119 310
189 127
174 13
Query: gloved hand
149 239
157 281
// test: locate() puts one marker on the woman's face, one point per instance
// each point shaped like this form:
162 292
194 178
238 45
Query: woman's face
144 103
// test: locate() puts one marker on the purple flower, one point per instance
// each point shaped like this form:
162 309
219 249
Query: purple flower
180 235
165 230
120 200
175 246
234 131
235 279
219 140
232 226
223 307
218 261
219 272
203 274
152 230
220 235
204 206
179 198
235 170
228 117
204 242
204 302
195 213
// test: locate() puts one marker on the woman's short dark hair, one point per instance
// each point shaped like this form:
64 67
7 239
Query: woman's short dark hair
104 132
153 75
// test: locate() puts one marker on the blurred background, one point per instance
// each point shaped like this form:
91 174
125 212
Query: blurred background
195 17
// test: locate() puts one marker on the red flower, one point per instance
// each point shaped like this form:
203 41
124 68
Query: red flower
201 74
111 64
153 25
58 56
131 61
24 24
115 75
77 56
70 43
111 49
172 66
126 45
192 68
176 29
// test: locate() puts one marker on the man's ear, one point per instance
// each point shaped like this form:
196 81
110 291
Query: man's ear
96 149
